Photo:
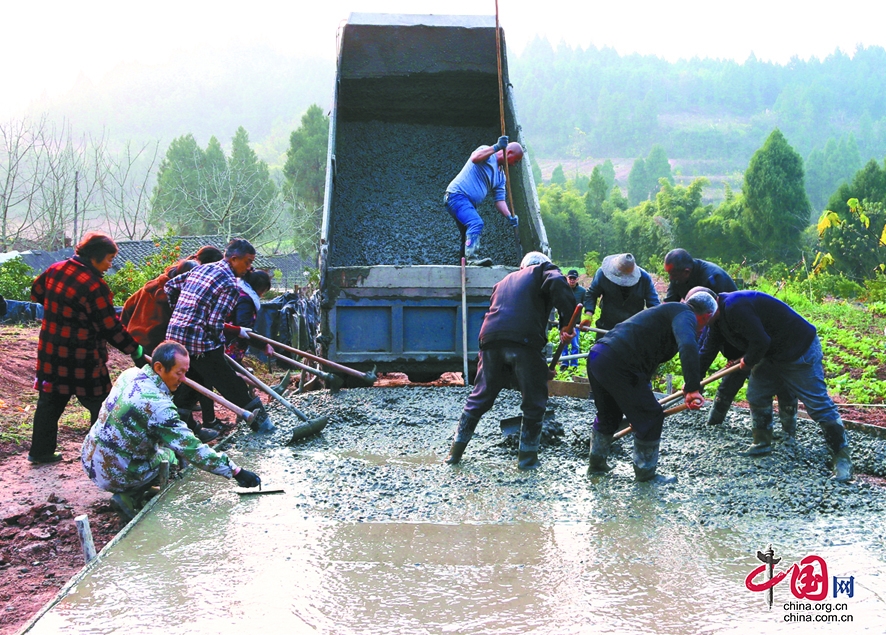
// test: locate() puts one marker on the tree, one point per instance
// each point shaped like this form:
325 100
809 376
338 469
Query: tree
855 241
558 176
124 190
638 183
776 207
201 191
305 167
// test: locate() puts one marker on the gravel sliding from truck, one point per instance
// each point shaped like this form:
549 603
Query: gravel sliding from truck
378 224
380 459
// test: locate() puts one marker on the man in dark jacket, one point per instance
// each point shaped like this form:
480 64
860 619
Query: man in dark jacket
512 339
685 273
781 349
620 366
623 288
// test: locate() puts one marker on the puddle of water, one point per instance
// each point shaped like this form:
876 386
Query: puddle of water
569 557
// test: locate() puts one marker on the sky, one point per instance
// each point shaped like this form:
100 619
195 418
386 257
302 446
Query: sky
47 44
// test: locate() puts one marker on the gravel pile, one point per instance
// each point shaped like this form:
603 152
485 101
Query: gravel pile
388 206
380 458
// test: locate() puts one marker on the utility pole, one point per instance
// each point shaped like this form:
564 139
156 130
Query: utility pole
76 193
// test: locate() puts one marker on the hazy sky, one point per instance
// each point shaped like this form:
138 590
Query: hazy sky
46 44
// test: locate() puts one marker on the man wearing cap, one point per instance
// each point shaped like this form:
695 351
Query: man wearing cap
580 292
512 341
780 350
686 272
623 288
482 174
620 367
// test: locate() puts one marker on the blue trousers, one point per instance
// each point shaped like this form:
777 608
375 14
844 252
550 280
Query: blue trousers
574 349
465 215
803 377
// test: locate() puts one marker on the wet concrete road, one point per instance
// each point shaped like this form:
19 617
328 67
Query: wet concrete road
375 535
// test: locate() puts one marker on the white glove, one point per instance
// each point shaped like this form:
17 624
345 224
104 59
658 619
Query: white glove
244 332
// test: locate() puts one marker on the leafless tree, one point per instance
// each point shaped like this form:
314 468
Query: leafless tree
124 179
21 167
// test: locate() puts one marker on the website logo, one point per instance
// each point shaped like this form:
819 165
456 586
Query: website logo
809 581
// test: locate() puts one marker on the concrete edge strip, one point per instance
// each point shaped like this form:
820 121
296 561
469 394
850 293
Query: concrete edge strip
88 567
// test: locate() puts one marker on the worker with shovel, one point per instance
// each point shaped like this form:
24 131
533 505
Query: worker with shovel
781 351
685 273
620 366
512 339
481 175
201 302
138 427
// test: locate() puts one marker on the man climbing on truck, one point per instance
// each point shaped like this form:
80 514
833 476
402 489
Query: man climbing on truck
482 174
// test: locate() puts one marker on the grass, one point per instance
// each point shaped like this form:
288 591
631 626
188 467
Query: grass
851 336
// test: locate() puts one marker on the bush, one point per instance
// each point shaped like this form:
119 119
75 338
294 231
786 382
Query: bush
130 278
592 262
16 278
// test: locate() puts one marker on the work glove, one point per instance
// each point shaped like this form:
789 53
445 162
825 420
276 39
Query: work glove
232 330
245 478
501 144
512 219
138 357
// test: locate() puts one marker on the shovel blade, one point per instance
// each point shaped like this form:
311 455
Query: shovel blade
308 428
511 425
262 422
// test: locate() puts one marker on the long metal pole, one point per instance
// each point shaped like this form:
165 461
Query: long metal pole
464 319
501 112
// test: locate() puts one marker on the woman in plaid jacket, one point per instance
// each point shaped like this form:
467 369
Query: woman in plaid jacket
78 321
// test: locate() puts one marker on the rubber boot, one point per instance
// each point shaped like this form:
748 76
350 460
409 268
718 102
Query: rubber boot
125 504
787 415
530 439
261 422
646 463
838 444
718 412
761 420
472 253
455 451
463 433
600 444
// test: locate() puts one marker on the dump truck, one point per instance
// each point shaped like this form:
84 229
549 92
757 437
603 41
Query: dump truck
414 96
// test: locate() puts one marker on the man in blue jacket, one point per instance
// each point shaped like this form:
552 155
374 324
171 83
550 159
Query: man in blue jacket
620 367
781 349
512 341
685 273
481 175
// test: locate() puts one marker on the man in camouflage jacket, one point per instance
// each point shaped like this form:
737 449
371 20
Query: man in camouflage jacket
138 427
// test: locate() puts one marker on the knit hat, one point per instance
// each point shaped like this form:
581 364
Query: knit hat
621 269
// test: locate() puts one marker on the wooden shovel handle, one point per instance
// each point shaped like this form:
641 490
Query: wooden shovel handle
664 400
575 315
320 360
248 415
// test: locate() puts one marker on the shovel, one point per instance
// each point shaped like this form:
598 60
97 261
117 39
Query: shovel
368 377
333 382
575 315
674 396
319 422
247 415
